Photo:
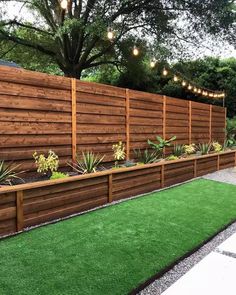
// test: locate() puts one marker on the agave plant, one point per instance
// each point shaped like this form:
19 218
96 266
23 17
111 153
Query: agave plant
87 163
8 173
178 150
161 143
146 156
204 148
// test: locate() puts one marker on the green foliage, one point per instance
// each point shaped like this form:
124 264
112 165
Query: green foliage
231 130
8 173
204 148
161 143
46 164
190 149
88 162
217 147
58 175
172 157
147 156
118 152
178 150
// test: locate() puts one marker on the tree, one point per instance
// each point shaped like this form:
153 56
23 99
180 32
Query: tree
76 39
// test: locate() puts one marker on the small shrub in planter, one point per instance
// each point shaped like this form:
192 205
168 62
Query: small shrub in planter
58 175
204 148
8 173
88 162
46 165
189 149
161 144
172 157
146 156
217 147
118 152
178 150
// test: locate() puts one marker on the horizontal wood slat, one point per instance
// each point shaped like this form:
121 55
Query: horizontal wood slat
31 204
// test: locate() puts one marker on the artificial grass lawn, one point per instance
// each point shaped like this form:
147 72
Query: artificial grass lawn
113 250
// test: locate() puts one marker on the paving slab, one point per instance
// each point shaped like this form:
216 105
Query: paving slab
229 245
226 175
214 275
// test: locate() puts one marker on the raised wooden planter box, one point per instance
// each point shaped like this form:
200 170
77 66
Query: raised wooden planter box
31 204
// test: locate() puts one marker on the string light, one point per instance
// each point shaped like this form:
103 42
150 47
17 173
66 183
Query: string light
190 87
153 63
176 79
110 34
165 72
195 89
64 4
135 51
184 83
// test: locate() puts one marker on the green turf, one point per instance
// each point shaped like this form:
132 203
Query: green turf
113 250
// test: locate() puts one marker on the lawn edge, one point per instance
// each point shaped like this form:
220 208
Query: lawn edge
158 275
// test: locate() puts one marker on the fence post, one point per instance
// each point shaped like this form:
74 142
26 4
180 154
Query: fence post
162 176
127 99
190 122
73 119
195 168
19 211
218 162
164 116
110 191
210 126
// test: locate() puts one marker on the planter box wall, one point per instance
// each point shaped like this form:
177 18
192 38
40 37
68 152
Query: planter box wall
32 204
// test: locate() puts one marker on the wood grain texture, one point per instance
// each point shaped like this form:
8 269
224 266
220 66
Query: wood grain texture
39 112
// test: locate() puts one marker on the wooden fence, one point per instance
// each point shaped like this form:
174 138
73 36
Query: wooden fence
31 204
42 112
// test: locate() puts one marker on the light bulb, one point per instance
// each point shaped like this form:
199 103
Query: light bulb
135 51
64 4
195 89
184 83
153 63
211 94
190 87
199 91
110 34
165 72
176 78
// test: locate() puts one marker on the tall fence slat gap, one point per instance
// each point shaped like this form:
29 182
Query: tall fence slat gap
41 112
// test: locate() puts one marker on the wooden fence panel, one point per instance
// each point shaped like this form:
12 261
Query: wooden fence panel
146 118
200 123
35 115
101 118
218 124
39 112
177 119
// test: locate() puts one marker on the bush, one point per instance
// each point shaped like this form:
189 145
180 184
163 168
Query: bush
46 164
87 162
58 175
8 173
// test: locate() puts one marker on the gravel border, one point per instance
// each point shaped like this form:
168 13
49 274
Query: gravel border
160 285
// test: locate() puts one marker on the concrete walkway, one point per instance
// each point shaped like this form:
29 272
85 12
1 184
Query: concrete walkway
209 271
215 274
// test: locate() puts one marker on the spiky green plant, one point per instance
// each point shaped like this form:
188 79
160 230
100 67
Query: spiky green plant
87 162
178 150
8 173
161 143
146 156
204 148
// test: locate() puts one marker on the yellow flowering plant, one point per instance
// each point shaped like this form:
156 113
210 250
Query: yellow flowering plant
118 152
46 164
217 147
190 148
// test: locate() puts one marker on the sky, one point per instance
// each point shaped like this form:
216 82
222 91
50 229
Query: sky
208 47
